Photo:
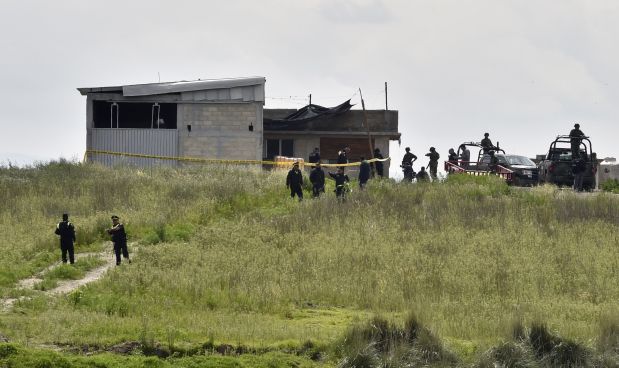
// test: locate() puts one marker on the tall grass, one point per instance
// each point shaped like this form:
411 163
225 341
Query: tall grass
227 255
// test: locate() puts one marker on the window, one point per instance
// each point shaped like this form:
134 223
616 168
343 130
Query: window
134 115
279 147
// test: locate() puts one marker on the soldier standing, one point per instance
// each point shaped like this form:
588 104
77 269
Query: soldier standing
409 157
579 166
294 181
576 136
465 156
119 238
66 230
486 143
378 164
317 178
433 164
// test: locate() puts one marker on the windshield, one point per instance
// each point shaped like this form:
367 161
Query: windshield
519 160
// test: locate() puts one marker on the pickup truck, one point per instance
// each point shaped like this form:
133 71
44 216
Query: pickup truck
556 167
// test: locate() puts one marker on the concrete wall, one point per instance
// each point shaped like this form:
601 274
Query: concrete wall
220 130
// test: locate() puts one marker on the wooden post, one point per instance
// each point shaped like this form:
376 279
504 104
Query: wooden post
386 105
367 125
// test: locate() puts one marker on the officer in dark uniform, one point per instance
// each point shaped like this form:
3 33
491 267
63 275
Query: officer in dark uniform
486 143
433 164
294 181
409 157
66 230
342 156
576 136
364 172
317 178
119 238
378 164
314 156
579 166
340 180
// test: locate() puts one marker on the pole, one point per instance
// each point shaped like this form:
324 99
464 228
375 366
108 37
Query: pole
310 97
386 105
367 125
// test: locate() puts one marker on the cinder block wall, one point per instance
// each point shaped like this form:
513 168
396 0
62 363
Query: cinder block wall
221 131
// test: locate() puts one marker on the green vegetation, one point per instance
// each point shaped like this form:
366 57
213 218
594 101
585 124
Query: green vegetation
227 259
610 185
68 272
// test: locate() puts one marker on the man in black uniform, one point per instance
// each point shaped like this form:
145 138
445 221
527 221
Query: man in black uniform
576 136
317 178
486 143
342 156
378 164
66 230
409 157
340 180
314 156
119 238
364 173
433 164
294 181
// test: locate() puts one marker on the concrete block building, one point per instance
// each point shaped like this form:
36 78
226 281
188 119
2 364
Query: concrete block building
215 119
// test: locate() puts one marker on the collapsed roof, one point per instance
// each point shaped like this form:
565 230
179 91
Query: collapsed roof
308 113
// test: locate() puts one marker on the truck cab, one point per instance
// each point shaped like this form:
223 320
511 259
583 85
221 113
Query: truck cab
556 167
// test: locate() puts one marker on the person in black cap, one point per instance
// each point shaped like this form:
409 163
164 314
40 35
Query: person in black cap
576 136
486 143
119 238
340 183
66 230
378 164
317 178
294 181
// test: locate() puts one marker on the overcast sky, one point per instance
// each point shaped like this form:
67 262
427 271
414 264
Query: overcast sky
524 71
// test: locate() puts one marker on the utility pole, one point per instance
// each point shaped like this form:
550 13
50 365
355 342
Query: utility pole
386 105
310 98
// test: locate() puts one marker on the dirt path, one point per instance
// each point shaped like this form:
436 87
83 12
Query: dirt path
64 286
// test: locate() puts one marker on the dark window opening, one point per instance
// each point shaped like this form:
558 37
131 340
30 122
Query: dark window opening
134 115
279 147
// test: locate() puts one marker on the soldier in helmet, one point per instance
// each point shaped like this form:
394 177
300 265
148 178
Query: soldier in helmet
576 136
66 230
409 157
433 164
486 143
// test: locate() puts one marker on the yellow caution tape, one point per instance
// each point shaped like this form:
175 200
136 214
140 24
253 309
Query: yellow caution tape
218 161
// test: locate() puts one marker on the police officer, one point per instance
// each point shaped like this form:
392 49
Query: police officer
119 238
576 136
66 230
294 181
364 173
486 143
342 156
314 156
409 157
378 164
317 178
340 180
433 164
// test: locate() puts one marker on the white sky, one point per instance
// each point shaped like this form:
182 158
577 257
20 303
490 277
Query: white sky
522 70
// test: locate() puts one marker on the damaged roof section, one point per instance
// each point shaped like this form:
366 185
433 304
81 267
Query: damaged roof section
316 119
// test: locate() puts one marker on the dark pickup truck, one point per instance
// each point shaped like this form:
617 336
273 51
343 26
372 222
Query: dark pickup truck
556 167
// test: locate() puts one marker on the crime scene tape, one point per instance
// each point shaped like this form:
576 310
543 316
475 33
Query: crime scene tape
219 161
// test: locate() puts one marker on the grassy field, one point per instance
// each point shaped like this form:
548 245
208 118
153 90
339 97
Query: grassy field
227 259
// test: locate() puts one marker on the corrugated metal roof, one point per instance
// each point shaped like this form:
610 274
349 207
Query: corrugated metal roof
176 87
